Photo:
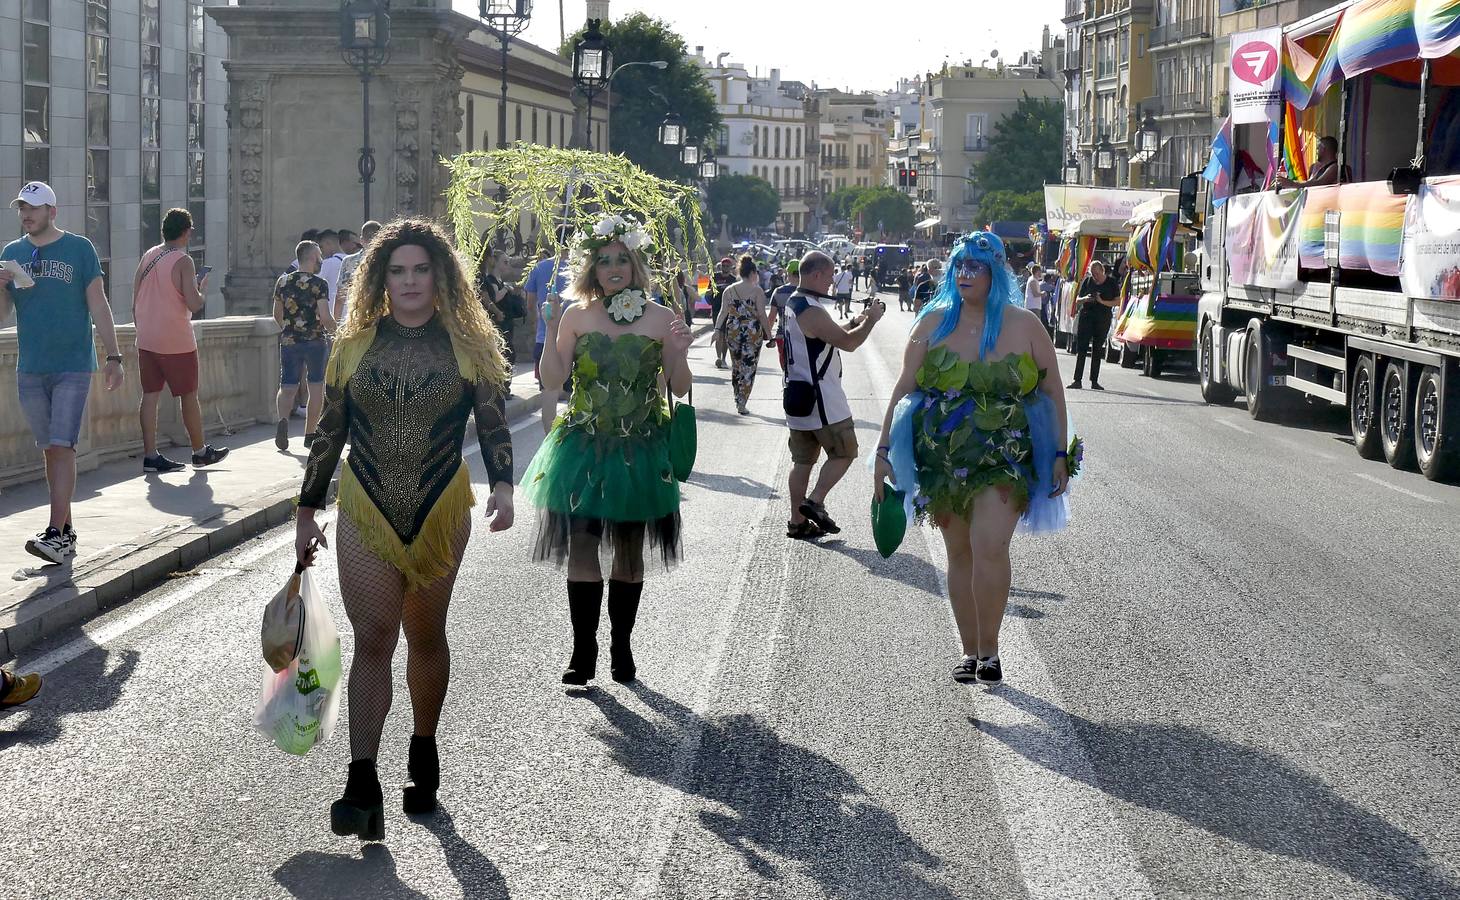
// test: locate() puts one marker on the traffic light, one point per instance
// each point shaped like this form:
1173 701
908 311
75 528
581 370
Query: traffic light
902 177
912 177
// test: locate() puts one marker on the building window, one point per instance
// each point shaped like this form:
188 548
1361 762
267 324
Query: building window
98 128
778 143
798 143
36 93
547 121
150 24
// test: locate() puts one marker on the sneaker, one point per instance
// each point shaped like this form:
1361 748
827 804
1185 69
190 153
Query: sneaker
17 689
989 670
160 463
966 672
817 513
51 545
1074 386
1095 386
721 364
805 530
309 440
281 434
209 455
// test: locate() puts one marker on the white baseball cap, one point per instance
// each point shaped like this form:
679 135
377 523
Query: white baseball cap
36 193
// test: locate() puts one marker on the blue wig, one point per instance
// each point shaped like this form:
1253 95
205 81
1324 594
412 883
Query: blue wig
984 247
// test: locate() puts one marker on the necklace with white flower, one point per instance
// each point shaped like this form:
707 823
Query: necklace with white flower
626 306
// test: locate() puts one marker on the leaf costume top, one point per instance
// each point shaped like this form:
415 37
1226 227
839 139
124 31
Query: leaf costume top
401 396
972 425
606 464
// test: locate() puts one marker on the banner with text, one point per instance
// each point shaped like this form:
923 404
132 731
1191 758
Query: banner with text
1255 76
1429 261
1064 205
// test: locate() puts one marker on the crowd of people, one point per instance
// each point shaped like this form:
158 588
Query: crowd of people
410 342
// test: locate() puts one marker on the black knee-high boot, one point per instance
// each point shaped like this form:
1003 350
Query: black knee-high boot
585 601
623 609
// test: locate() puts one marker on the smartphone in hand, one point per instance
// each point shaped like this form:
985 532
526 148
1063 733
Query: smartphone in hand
203 273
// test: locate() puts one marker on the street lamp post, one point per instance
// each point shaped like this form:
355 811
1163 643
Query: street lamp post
1105 156
592 67
365 46
1148 143
1072 170
671 132
508 18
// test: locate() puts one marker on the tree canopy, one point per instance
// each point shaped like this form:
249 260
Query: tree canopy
748 201
884 207
840 202
1024 150
643 95
1011 206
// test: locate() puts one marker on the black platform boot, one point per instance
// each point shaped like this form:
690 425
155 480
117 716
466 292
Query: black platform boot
362 810
623 609
585 601
423 765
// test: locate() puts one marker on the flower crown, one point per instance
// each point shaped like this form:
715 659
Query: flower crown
982 243
615 228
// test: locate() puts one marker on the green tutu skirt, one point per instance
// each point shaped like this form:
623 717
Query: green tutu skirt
619 494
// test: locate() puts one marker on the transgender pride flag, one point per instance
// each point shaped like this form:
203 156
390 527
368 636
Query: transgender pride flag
1219 168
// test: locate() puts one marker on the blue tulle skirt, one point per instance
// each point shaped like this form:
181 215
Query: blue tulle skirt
1045 513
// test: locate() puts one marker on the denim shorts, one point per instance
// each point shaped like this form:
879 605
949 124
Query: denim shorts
309 356
54 404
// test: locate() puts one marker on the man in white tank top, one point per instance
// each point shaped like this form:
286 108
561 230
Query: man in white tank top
817 411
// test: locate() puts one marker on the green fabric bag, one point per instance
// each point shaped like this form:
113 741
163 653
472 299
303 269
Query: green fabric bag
889 520
683 441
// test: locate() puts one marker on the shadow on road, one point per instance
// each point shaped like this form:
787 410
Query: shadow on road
91 685
904 568
1239 793
732 484
372 872
783 799
1023 611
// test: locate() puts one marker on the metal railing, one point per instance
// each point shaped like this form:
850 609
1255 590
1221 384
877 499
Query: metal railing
1181 31
971 144
1187 102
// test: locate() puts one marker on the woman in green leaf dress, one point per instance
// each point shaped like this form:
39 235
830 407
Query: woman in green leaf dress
975 434
602 480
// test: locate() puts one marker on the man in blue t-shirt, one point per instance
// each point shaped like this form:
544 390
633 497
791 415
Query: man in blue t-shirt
54 281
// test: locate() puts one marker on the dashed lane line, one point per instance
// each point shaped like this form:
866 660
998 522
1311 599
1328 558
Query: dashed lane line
1394 487
1234 426
1063 830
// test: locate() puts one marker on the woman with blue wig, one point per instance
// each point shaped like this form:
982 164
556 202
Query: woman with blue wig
976 436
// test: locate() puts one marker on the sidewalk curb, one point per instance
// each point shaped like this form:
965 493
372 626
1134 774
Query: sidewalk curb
126 570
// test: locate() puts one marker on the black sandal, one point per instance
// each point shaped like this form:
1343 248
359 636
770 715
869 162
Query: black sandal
804 530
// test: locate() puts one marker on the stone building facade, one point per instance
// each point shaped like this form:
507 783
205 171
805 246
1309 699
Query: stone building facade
121 106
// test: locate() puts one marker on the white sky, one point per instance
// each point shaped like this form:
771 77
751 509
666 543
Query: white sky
857 44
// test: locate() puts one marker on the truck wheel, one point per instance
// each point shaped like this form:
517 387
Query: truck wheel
1363 412
1260 395
1434 450
1154 362
1395 430
1129 357
1211 391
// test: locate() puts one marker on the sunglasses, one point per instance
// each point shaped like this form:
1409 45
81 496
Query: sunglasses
972 268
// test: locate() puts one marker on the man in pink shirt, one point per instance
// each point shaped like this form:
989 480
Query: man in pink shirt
167 291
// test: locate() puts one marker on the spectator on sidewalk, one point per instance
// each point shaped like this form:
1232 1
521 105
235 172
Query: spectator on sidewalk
349 243
330 260
348 267
1034 291
302 309
548 278
723 278
842 285
776 308
166 292
53 319
817 411
310 234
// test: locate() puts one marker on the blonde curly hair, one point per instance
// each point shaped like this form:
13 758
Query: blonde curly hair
456 298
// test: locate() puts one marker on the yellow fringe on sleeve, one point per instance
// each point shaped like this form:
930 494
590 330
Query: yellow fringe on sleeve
431 554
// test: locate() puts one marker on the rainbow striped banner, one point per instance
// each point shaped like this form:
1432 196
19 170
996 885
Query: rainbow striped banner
1369 35
1164 322
1372 227
1317 201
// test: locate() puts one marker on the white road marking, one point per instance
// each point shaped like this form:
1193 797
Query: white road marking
105 634
1146 390
200 580
1394 487
1065 836
1234 426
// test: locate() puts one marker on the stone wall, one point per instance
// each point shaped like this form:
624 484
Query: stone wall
238 378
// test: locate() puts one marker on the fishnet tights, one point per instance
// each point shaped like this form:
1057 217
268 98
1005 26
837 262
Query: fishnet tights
379 606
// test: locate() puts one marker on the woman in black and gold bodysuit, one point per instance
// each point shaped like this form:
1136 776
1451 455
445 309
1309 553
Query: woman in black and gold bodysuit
415 357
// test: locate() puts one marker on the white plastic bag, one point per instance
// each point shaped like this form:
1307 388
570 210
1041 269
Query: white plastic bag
297 707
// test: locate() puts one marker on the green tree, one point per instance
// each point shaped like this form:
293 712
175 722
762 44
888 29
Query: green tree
887 207
643 95
1011 206
748 201
839 203
1024 151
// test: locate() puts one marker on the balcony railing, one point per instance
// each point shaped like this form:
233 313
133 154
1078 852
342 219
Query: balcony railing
1181 31
1174 104
864 163
975 144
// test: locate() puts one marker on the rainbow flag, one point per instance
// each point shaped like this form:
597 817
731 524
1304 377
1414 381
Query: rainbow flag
1165 322
1369 35
1371 228
1219 167
1437 27
1316 202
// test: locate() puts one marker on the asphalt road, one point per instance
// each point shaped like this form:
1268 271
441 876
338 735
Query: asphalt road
1234 676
